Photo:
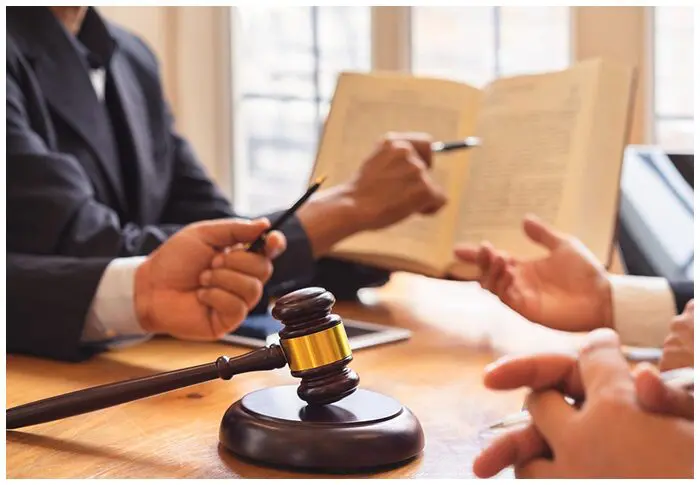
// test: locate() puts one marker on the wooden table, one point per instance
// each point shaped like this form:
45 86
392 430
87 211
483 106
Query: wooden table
458 329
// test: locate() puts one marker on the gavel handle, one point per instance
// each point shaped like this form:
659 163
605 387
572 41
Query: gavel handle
108 395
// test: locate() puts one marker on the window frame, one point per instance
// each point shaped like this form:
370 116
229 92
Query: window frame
658 117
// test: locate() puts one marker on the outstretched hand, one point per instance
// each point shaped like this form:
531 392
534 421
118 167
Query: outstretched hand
568 289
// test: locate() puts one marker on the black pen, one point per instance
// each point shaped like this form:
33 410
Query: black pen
448 146
259 243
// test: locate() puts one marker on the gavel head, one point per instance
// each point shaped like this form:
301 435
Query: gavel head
315 345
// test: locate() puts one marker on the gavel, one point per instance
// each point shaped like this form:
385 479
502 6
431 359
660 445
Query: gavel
313 343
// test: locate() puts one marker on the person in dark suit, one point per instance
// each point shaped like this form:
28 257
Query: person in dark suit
568 289
98 179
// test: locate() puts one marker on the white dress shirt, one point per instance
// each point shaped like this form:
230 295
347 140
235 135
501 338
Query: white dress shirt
112 318
643 308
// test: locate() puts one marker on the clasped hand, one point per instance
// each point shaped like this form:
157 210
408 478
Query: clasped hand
624 424
201 283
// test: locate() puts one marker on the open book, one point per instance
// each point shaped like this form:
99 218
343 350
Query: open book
552 145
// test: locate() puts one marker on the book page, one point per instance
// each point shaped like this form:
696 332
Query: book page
529 126
591 206
367 106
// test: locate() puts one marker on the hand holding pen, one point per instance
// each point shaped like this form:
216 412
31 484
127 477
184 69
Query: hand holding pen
435 147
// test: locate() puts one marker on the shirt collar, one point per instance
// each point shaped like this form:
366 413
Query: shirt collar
94 41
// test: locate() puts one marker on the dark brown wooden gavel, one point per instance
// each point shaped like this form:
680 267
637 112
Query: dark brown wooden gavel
313 343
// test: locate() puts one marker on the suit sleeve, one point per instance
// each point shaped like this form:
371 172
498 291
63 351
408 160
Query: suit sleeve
51 206
48 298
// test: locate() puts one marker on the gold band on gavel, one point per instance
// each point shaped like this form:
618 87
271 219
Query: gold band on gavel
320 348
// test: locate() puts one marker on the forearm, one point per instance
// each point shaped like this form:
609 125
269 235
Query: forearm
329 217
48 298
322 222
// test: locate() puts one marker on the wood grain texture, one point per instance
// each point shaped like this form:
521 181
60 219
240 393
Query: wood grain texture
458 329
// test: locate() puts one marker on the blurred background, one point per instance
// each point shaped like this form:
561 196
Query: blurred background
251 87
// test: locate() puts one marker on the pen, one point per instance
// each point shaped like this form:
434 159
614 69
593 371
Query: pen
682 378
448 146
259 243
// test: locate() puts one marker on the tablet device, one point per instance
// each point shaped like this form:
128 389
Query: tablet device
262 329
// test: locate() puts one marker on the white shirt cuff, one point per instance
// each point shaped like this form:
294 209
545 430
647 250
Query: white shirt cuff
112 317
642 309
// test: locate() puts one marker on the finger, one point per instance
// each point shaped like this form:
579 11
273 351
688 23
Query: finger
227 232
421 143
538 372
541 233
657 397
513 448
504 284
551 414
484 261
539 468
231 309
221 326
402 151
675 356
275 244
689 307
602 365
436 197
247 288
251 264
467 253
498 265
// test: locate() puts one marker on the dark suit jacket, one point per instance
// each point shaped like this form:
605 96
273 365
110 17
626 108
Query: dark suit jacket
68 213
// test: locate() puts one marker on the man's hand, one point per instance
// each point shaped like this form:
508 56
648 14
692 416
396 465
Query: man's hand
678 346
172 293
393 183
608 434
657 397
568 289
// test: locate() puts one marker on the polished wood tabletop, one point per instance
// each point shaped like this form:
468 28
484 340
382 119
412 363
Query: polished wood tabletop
457 329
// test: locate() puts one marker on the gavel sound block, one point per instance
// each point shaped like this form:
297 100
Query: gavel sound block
325 424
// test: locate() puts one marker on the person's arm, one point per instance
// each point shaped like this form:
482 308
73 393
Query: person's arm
643 307
70 308
51 205
111 320
48 298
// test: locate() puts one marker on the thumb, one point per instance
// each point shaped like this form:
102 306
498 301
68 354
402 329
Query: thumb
541 233
656 397
221 233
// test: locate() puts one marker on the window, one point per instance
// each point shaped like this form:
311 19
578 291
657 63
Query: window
479 44
673 78
287 60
